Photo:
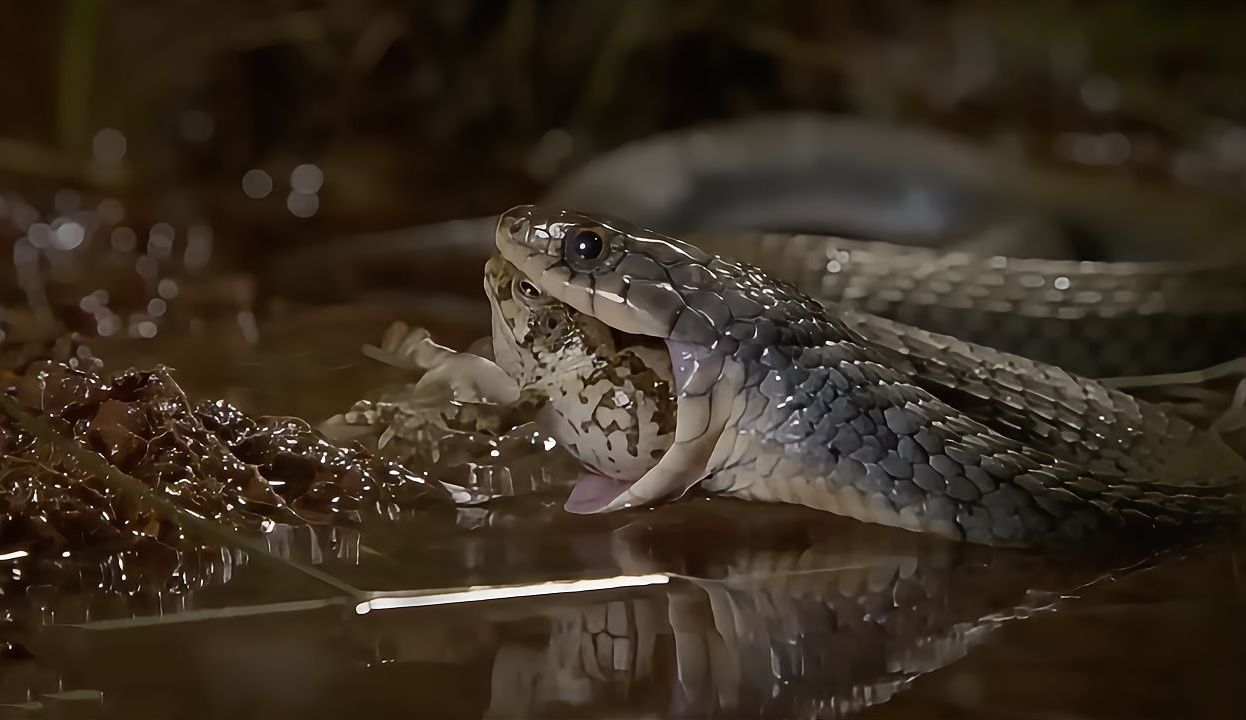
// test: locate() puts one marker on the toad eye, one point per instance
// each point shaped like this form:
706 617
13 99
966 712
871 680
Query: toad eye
528 289
587 245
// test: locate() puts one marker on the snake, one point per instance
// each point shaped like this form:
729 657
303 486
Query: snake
779 393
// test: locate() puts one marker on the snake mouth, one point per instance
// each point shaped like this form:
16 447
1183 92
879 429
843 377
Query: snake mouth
593 493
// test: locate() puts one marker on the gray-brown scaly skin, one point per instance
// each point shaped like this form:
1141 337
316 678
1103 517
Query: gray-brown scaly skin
609 405
781 398
1093 319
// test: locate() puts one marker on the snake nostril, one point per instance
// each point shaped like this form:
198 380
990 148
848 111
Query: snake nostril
518 226
516 223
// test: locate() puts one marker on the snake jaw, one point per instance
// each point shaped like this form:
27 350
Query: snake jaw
681 467
701 424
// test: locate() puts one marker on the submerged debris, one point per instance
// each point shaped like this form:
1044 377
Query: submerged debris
210 459
69 525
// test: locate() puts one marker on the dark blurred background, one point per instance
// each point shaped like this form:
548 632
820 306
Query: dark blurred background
161 161
415 111
157 157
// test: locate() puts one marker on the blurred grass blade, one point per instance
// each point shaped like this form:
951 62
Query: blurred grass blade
79 35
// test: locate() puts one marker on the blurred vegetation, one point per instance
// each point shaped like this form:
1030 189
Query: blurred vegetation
419 110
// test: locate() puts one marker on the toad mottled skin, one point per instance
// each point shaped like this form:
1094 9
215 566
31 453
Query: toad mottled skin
608 400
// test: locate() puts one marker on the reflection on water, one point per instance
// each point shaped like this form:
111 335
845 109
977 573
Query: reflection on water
514 608
705 608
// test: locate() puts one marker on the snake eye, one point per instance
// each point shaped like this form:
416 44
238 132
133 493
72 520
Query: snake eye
528 289
587 245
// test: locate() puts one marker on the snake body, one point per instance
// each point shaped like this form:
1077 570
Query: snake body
780 397
1096 319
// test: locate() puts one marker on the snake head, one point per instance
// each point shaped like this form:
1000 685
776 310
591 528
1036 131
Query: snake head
638 282
632 279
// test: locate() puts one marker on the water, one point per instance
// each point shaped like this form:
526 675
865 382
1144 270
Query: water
704 608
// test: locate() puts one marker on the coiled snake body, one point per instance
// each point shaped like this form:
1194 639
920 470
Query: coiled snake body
781 397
